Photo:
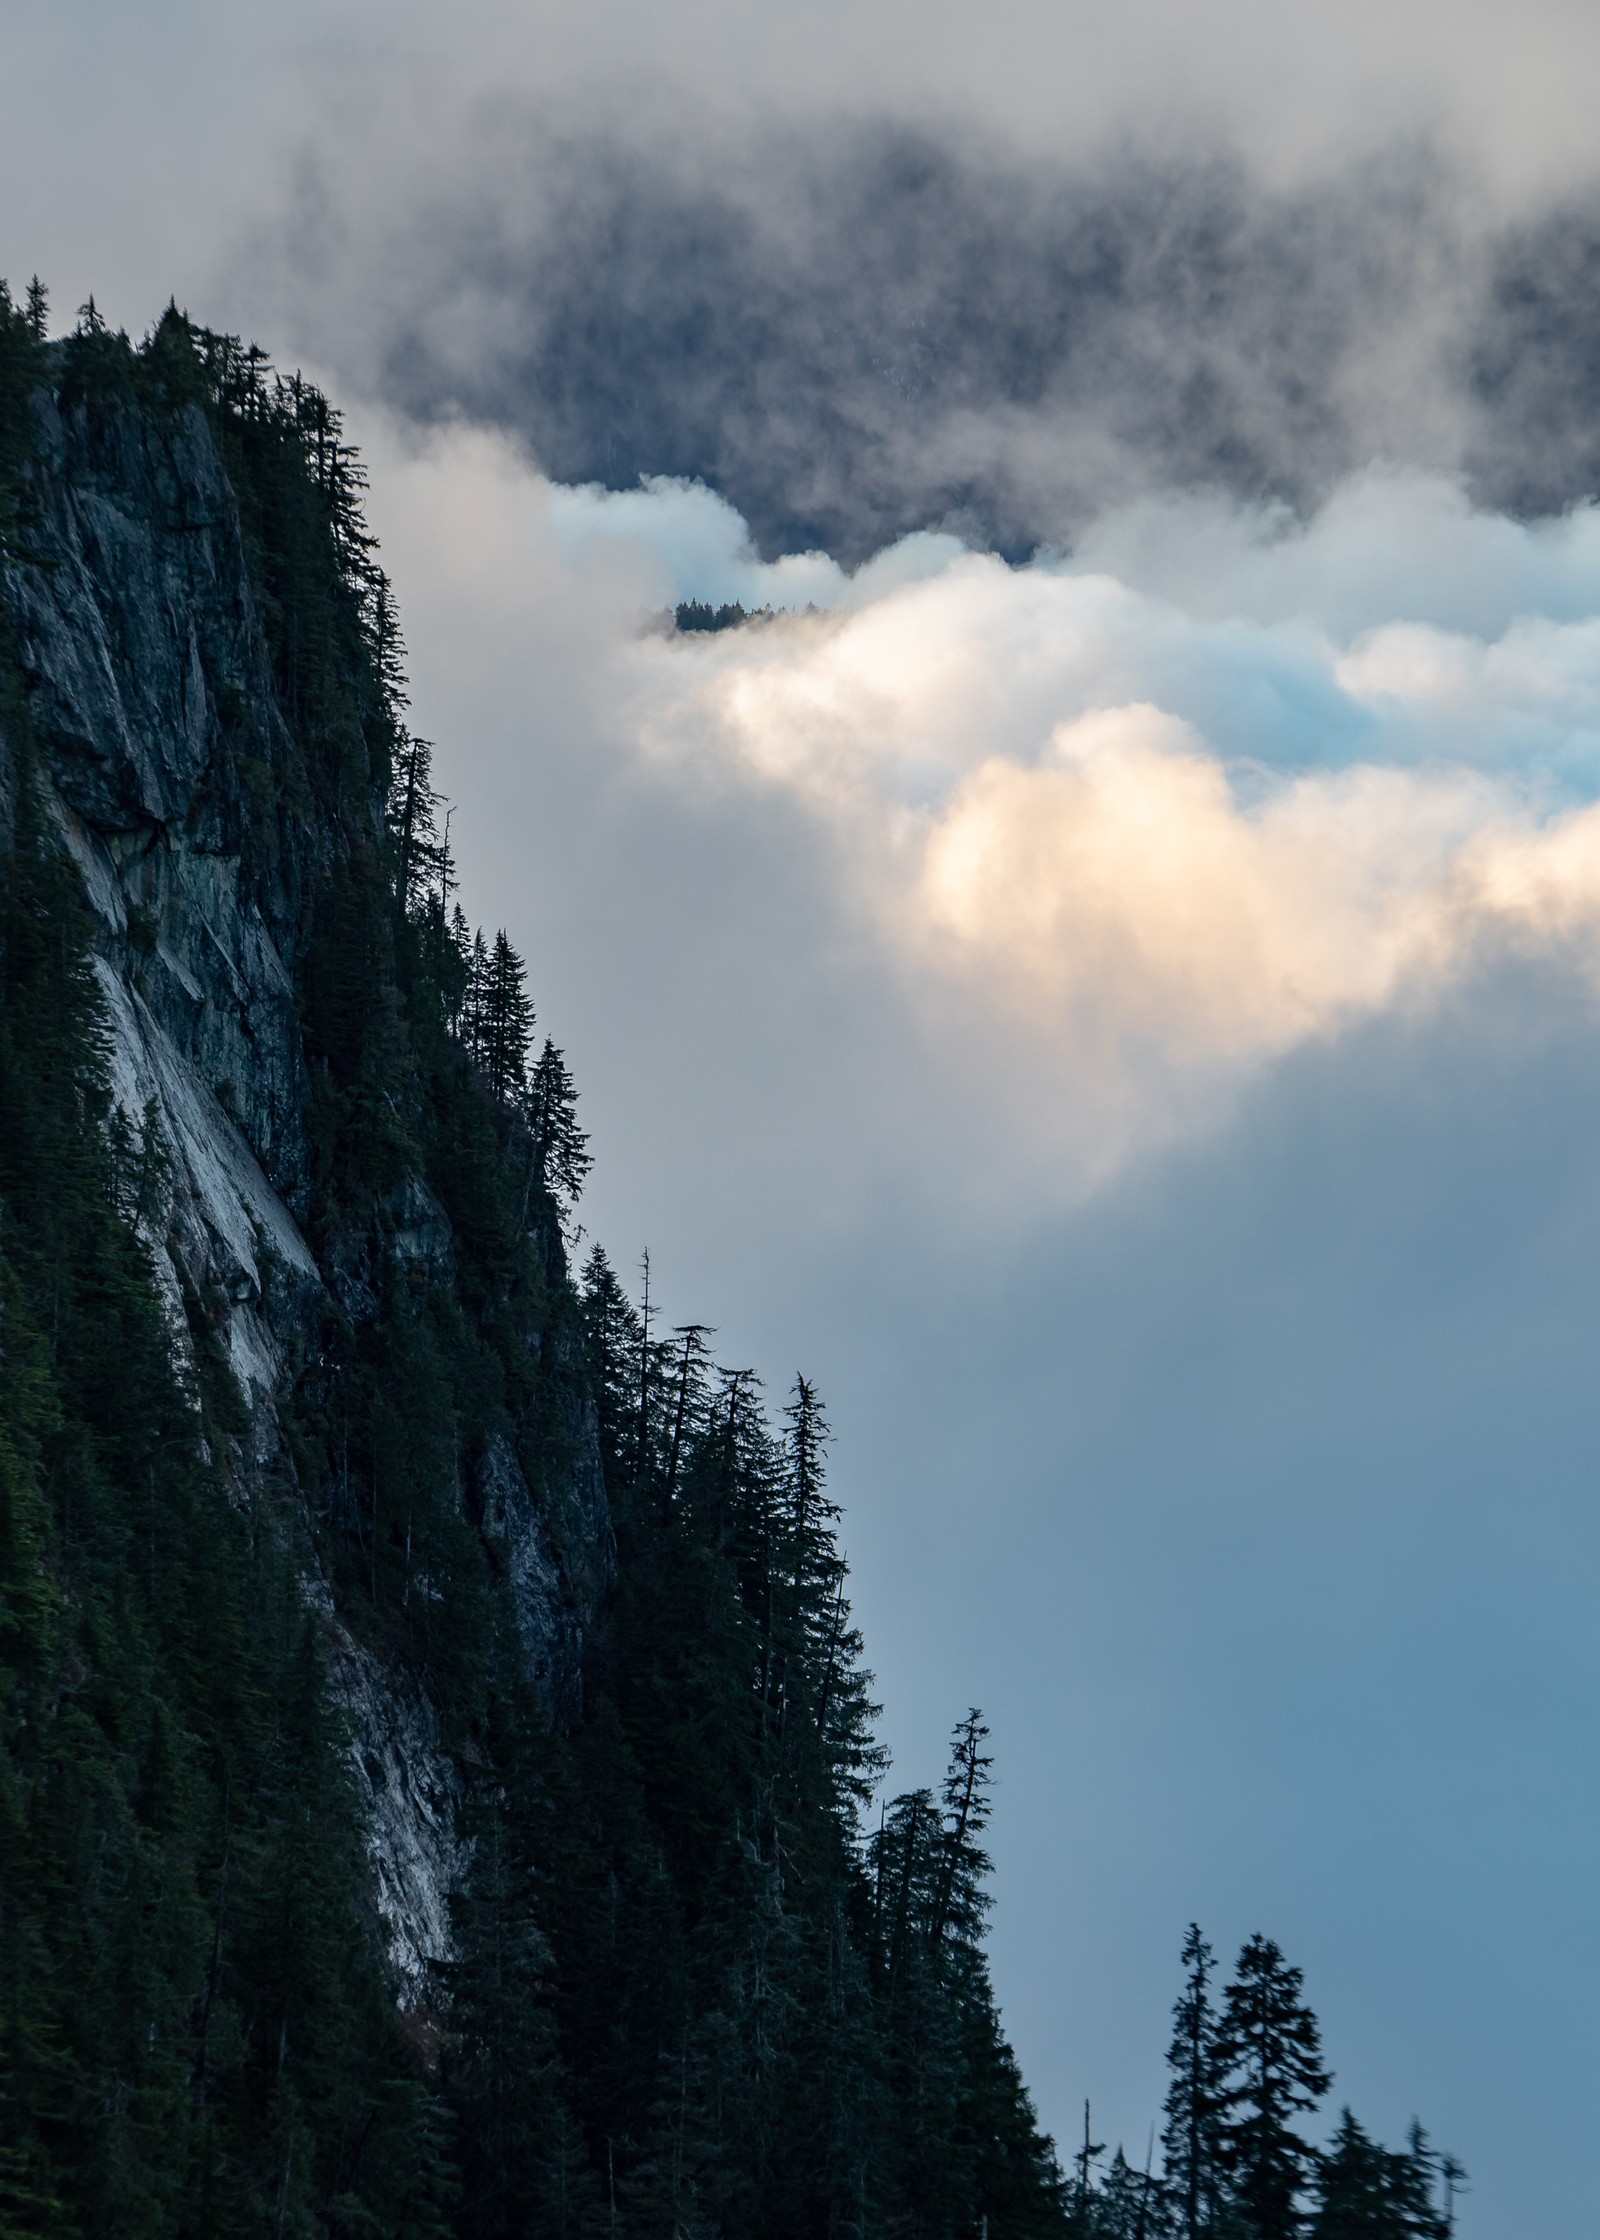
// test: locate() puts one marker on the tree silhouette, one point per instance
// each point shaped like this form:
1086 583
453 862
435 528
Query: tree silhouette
561 1159
1193 2107
1269 2054
504 1022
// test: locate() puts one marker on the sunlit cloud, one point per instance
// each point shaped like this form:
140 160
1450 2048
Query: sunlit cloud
1017 767
1143 818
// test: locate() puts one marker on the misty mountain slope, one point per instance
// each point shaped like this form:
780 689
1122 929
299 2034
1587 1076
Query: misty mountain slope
432 1732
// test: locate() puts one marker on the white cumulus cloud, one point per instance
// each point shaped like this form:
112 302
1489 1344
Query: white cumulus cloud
1126 826
1159 839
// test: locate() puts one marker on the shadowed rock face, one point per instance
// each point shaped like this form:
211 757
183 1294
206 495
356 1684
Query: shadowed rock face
150 694
149 686
142 631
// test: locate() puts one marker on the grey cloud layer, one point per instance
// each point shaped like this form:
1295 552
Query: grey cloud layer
856 331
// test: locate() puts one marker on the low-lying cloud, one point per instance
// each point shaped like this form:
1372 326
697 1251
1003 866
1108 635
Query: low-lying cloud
1166 834
1127 826
855 330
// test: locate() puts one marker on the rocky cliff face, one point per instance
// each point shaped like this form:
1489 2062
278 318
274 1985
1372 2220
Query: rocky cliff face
334 1435
138 624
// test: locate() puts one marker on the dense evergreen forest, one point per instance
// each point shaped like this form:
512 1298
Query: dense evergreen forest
703 1978
691 615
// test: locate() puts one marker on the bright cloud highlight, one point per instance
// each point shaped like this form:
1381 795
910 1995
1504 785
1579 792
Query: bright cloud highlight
1161 838
1136 822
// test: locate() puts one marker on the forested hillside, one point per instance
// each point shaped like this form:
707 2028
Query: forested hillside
438 1792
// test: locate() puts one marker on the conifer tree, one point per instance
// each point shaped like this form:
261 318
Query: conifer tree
615 1341
507 1022
502 2057
690 1404
561 1160
456 982
1452 2177
413 822
1269 2058
1368 2192
968 2144
1356 2189
815 1568
388 647
963 1899
1132 2204
828 1647
1422 2175
1190 2142
476 996
503 1020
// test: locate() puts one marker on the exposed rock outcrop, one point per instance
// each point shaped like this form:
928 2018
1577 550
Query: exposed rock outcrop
135 619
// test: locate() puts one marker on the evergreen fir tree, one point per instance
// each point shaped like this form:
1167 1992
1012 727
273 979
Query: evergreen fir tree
1269 2054
413 823
472 1000
1194 2107
615 1341
1422 2176
963 1899
1367 2192
690 1402
1356 2191
560 1154
503 1022
1132 2204
518 2153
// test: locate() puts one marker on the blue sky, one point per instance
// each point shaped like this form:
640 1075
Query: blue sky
1123 1021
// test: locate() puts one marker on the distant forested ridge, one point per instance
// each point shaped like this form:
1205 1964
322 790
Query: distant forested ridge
692 615
438 1793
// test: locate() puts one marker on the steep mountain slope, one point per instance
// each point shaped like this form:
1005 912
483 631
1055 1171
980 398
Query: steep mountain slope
433 1732
207 840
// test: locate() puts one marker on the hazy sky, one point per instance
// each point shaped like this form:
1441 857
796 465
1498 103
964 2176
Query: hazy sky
1124 1019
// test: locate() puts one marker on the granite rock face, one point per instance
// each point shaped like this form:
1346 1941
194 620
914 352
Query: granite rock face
150 693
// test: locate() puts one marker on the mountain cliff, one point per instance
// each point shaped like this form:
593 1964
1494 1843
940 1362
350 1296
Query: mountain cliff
213 847
434 1738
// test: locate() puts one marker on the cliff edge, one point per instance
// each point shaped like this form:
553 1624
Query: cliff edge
180 719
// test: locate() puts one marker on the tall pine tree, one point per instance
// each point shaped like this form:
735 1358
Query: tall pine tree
1191 2139
1269 2061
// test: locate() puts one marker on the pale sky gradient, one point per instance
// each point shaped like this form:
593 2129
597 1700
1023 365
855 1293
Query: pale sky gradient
1126 1024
